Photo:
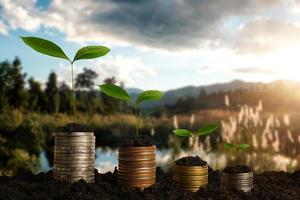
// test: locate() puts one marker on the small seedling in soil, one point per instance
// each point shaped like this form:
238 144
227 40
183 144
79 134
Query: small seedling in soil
236 148
51 49
204 131
119 93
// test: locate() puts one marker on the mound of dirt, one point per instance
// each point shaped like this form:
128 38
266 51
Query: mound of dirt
141 141
237 169
69 128
191 161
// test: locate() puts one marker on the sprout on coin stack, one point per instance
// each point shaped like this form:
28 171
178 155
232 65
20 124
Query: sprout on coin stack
239 177
74 150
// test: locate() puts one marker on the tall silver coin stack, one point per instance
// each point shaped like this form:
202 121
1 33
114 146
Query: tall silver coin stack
74 156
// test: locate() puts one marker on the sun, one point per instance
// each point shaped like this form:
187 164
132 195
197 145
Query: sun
285 62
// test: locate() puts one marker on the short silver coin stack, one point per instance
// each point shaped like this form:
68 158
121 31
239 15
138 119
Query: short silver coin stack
240 181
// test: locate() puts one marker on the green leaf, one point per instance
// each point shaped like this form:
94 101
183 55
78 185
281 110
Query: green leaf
91 52
182 132
229 146
45 47
243 146
207 130
149 95
115 92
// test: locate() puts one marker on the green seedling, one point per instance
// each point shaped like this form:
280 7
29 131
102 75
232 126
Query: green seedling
204 131
119 93
236 148
51 49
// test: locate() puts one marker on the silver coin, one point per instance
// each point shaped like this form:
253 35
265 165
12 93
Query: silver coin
73 134
74 173
75 153
88 165
60 161
74 157
69 162
87 173
238 175
74 176
74 143
74 150
75 140
75 147
71 144
68 169
57 161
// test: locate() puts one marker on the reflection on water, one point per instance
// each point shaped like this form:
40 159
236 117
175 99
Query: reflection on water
107 160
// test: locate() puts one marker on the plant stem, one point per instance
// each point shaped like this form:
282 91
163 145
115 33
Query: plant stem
193 145
73 94
137 120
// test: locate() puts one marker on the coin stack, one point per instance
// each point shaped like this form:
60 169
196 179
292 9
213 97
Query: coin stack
240 181
190 178
74 156
137 166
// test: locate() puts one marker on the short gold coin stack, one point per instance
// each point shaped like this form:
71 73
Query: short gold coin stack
190 178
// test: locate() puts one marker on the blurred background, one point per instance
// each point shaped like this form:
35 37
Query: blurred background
228 62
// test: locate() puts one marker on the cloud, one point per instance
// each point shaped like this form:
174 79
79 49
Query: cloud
264 35
168 24
21 14
125 69
255 70
3 28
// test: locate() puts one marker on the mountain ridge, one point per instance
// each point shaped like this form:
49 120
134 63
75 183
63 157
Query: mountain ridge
171 96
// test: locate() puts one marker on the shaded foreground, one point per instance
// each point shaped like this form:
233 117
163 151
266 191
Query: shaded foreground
268 185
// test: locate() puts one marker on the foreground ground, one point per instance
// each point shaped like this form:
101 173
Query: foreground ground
268 185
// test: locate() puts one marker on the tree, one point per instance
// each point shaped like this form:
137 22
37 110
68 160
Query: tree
110 105
202 93
4 80
52 94
86 79
17 94
65 97
36 96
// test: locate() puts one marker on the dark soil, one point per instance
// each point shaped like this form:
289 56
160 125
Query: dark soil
141 141
237 169
26 186
69 128
191 161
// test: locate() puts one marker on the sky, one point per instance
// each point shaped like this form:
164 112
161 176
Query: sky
159 44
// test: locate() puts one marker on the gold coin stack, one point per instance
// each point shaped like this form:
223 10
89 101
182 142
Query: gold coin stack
137 166
190 178
240 181
74 156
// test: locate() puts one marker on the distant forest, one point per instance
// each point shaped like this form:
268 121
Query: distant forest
56 97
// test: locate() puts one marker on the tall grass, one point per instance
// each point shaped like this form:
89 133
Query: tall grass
274 137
